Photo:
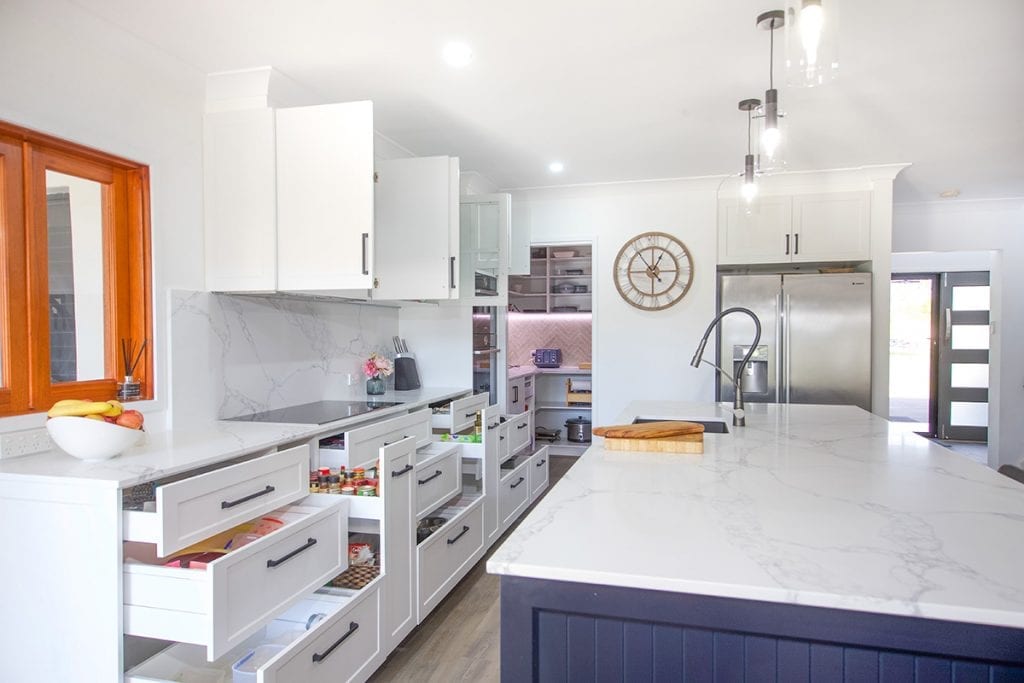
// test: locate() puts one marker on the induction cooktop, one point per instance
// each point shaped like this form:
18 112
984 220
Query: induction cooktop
316 413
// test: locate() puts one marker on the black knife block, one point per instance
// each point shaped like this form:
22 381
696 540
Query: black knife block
406 376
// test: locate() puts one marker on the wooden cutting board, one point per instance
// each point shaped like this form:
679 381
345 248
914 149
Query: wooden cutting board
660 437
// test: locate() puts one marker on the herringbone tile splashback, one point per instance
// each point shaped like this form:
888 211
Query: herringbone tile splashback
571 333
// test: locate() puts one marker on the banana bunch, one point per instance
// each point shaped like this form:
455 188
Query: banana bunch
96 410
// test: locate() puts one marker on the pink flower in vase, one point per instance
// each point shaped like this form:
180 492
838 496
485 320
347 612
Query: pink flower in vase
377 366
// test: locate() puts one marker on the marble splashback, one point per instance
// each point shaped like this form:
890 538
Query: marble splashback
232 355
570 332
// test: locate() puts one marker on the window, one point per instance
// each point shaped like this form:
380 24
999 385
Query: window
75 266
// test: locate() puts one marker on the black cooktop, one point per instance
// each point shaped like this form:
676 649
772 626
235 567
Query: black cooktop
317 413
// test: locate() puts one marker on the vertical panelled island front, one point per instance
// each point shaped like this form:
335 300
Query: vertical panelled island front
815 543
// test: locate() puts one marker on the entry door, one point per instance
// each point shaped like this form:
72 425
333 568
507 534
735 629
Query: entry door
963 357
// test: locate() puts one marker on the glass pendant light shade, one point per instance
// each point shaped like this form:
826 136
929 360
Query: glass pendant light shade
746 184
811 40
772 136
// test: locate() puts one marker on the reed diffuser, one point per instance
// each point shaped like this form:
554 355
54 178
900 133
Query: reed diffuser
130 388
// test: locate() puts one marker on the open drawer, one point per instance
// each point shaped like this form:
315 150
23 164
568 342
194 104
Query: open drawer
360 447
445 557
459 414
189 510
519 432
438 476
514 490
233 596
344 645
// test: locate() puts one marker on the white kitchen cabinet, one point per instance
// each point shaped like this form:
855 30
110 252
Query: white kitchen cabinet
484 244
516 395
539 468
288 199
458 415
417 229
398 616
514 489
805 228
832 226
519 240
519 432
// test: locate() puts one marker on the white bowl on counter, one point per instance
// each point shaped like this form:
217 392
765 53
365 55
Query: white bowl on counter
88 439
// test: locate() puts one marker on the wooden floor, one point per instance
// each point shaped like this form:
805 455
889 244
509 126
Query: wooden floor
459 640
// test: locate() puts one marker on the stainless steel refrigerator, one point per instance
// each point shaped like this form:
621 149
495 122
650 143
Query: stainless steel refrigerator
815 338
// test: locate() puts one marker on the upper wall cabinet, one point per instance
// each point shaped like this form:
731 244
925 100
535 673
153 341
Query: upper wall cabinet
484 231
806 228
417 229
289 198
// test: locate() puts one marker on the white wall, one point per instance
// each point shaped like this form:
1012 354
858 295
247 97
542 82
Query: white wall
996 225
68 74
637 354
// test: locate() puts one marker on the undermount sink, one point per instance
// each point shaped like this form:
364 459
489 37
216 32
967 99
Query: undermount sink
710 426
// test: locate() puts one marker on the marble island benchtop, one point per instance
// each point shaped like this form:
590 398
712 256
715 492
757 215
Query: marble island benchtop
825 506
168 453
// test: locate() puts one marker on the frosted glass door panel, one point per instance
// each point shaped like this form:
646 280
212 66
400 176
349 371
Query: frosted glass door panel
973 298
970 337
969 375
963 414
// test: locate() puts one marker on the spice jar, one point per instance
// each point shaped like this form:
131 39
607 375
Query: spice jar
347 490
334 484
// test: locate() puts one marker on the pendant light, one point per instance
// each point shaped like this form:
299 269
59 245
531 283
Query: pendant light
748 189
811 32
771 134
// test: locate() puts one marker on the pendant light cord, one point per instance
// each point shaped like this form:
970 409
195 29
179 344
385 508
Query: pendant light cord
748 131
771 57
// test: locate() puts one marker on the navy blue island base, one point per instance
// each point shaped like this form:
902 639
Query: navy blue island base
560 631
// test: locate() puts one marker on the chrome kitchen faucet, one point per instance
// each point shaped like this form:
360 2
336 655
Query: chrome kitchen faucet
738 417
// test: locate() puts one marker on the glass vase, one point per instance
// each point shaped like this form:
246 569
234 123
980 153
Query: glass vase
375 386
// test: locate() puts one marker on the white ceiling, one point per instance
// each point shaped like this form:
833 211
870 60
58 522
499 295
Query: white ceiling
635 90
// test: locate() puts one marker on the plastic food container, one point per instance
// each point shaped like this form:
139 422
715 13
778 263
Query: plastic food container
244 670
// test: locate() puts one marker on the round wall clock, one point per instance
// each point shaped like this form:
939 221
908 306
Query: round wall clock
653 271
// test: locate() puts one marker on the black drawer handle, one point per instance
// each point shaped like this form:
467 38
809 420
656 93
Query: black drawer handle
522 426
310 542
451 541
352 628
521 480
435 475
388 443
490 427
470 414
541 463
225 504
404 470
502 437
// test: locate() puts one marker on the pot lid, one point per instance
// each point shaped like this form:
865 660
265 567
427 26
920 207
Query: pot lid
577 421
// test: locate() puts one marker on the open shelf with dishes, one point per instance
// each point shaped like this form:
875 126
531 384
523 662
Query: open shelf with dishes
560 281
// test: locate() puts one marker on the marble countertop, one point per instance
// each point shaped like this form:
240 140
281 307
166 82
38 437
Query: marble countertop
824 506
183 448
526 370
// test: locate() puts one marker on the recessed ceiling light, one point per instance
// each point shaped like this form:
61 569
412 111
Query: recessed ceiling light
556 167
457 54
950 194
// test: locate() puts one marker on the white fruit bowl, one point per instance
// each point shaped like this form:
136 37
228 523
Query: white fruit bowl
89 439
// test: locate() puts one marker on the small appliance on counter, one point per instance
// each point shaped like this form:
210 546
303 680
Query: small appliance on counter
547 358
578 429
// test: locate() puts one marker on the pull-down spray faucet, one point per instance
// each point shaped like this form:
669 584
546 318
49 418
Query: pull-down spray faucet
738 418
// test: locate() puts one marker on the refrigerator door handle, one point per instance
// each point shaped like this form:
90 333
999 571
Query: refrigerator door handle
786 331
778 346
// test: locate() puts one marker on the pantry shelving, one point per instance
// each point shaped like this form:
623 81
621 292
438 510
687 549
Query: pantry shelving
560 281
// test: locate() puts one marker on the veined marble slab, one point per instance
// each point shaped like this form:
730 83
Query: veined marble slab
825 506
167 453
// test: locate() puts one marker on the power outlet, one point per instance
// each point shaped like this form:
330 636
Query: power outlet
25 442
351 379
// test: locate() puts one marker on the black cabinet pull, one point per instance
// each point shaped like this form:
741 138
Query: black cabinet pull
404 470
352 628
366 240
787 244
521 480
502 437
796 243
490 427
515 394
470 414
451 541
310 542
522 426
388 443
225 504
435 475
541 463
451 273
